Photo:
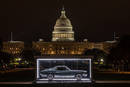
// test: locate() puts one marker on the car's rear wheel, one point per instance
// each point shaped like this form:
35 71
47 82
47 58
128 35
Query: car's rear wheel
50 77
78 76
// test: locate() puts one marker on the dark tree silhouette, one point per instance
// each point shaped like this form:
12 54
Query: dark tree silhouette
5 59
120 55
28 55
97 54
1 44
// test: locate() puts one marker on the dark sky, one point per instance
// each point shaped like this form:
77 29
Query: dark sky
95 20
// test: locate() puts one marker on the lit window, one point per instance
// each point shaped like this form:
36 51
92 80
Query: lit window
43 48
52 52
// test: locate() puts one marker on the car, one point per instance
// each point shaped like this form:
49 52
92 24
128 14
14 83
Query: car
62 72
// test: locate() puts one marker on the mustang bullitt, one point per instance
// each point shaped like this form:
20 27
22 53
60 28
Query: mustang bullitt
62 72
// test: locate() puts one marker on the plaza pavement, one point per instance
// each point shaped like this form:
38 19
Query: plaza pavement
97 81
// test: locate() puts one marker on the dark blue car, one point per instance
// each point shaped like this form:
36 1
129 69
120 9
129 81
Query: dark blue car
62 72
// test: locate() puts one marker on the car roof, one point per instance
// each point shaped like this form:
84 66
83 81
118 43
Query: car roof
61 66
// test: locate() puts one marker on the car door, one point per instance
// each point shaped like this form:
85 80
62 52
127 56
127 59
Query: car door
63 72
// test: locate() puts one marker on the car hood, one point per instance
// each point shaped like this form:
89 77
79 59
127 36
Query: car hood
47 70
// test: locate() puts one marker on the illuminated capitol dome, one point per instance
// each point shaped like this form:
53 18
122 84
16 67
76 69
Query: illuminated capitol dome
63 29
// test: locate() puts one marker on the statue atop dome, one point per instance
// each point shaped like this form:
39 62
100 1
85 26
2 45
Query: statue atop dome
63 13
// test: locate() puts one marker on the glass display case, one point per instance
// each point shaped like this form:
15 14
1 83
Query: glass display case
63 70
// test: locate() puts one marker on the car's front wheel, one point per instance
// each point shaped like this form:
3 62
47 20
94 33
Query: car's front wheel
50 77
78 76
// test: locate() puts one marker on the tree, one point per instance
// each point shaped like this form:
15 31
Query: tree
5 59
98 55
28 55
1 44
120 54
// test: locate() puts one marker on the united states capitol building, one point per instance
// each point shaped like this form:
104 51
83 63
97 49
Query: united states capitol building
63 41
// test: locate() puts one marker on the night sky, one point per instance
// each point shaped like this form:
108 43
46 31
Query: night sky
95 20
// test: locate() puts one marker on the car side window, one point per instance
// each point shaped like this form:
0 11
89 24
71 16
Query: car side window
61 68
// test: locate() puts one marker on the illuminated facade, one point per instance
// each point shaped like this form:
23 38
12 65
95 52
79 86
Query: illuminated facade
63 29
60 48
13 47
70 48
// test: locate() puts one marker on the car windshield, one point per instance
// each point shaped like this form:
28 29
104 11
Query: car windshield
61 68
